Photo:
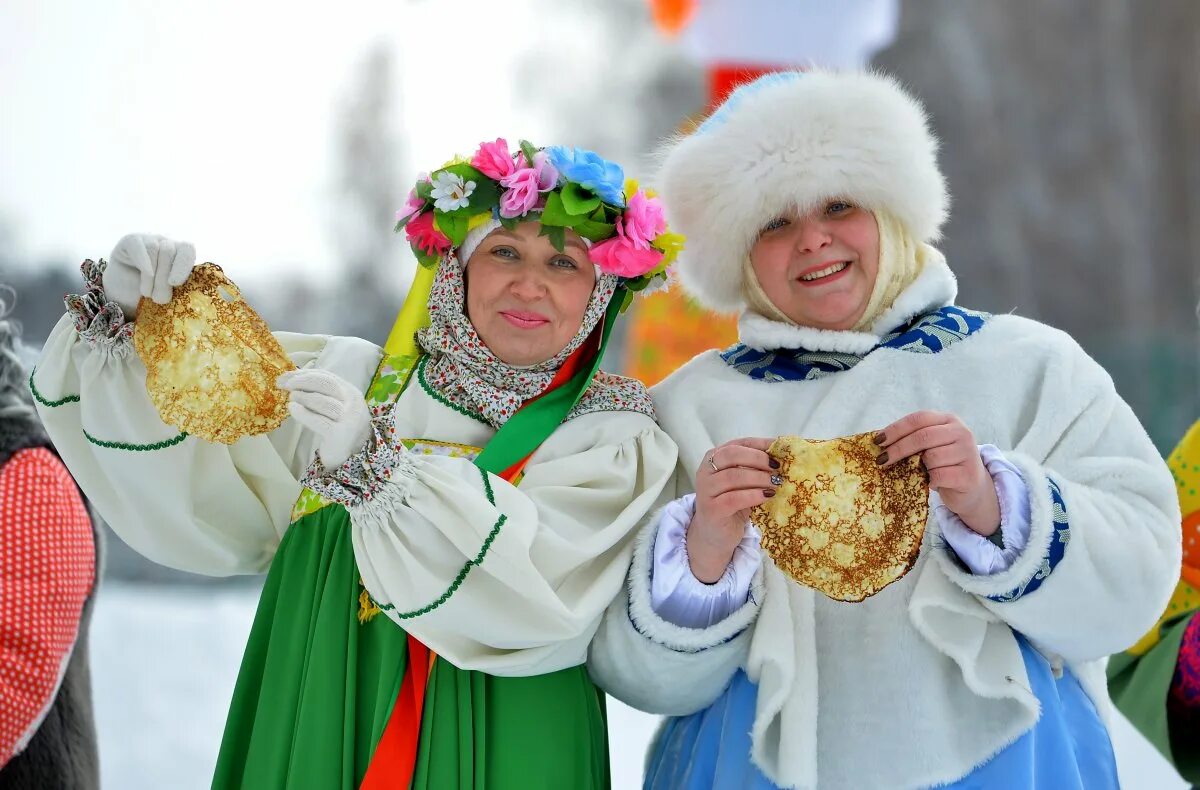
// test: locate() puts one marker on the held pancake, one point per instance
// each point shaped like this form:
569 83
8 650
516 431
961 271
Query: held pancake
211 361
839 523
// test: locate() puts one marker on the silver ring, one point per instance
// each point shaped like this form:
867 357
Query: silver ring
712 461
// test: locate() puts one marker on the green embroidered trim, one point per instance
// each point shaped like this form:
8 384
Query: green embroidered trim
487 488
165 443
458 580
440 398
54 404
49 404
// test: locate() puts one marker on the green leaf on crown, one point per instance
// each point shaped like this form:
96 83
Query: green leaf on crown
578 200
429 260
556 234
598 226
595 231
510 223
529 151
453 224
424 190
555 214
637 284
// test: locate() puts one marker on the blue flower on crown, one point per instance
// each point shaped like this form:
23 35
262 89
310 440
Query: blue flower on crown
591 171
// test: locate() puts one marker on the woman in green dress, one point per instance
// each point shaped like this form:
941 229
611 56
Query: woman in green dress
439 551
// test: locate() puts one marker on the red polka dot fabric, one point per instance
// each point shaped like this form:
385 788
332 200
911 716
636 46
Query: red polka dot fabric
47 570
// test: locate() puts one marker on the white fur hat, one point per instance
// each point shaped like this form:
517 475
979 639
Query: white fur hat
793 140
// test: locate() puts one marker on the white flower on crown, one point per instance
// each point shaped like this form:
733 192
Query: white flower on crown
450 193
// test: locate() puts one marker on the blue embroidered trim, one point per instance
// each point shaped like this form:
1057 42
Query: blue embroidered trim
928 334
1054 554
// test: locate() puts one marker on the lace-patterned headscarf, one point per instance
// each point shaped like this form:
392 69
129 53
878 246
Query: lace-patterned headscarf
466 372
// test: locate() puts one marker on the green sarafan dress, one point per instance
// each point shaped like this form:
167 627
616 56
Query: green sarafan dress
322 672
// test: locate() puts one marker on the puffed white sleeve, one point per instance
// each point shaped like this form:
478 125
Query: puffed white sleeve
194 505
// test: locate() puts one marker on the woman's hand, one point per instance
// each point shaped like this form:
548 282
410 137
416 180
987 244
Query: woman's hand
145 265
731 479
332 408
948 450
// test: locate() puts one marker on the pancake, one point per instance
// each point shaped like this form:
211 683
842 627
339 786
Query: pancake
839 523
211 361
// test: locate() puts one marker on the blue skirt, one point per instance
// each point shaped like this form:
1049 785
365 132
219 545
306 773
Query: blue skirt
1068 748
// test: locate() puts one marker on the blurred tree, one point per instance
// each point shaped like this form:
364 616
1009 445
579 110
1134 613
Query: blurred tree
1069 134
606 78
40 290
370 158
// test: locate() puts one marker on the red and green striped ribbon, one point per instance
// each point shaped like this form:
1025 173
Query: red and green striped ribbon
505 456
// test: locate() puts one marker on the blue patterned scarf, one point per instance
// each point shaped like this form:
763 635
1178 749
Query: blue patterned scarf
927 334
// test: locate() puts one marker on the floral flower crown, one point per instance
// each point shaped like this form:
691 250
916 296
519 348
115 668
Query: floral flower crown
559 187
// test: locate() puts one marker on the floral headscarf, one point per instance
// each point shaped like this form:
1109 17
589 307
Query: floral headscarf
466 372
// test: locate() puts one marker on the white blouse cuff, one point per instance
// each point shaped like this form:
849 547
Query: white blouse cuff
982 555
676 594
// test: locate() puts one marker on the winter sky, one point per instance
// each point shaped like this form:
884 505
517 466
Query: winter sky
213 121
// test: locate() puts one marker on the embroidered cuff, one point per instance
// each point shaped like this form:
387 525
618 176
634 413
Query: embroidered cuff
982 555
1060 535
1049 533
382 460
99 321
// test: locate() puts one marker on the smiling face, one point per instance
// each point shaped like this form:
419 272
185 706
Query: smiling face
526 299
819 269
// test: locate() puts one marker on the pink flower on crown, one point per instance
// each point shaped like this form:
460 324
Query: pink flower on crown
547 173
411 206
621 256
424 236
521 192
643 220
494 160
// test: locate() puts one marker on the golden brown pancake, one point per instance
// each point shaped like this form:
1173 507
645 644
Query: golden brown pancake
839 523
211 361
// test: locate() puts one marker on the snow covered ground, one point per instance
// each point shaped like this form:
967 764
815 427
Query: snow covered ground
164 660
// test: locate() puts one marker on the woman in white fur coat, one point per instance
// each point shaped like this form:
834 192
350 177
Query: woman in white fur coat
810 202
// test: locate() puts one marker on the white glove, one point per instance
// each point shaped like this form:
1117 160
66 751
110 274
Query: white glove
332 408
145 265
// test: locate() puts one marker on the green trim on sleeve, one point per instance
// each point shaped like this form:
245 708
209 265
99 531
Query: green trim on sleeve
165 443
49 404
487 487
458 580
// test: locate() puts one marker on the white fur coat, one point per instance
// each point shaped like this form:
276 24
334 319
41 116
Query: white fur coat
923 682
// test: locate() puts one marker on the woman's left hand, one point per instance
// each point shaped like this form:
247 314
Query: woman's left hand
948 450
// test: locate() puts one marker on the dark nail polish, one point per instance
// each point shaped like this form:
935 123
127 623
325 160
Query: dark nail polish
882 459
768 493
776 480
774 464
879 438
